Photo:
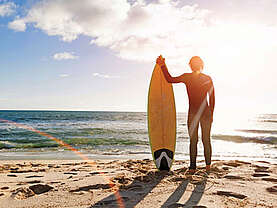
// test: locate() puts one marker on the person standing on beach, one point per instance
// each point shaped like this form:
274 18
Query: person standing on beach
199 86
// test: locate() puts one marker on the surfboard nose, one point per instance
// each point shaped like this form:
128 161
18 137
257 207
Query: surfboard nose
163 159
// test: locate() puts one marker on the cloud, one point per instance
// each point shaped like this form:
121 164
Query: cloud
133 31
64 75
70 18
17 25
105 76
140 31
7 9
64 56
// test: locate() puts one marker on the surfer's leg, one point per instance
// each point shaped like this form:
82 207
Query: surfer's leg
193 125
206 139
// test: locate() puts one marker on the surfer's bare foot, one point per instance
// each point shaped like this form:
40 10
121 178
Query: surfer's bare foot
192 171
208 168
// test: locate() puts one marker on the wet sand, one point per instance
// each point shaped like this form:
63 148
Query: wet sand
136 183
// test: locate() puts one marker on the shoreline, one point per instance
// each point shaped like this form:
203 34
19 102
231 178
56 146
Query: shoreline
98 183
37 155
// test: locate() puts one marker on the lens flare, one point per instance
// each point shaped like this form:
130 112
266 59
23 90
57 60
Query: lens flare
60 142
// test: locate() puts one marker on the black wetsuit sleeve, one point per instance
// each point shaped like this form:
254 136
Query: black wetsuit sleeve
182 78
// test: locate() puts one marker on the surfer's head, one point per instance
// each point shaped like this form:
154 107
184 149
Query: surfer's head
196 64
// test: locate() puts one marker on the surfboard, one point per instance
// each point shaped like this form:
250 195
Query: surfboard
161 113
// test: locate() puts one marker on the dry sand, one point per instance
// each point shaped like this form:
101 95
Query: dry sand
135 183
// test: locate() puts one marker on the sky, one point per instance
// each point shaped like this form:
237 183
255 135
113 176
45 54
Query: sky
91 55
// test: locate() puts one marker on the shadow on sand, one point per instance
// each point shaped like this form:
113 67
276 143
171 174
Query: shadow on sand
135 192
141 186
193 200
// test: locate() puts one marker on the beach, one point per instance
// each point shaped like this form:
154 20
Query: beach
135 183
103 159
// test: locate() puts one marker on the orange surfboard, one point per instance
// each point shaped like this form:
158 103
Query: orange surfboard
161 114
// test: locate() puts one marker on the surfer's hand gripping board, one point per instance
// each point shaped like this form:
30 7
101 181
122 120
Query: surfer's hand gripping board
160 61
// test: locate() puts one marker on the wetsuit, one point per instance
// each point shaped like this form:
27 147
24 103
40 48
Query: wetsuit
199 87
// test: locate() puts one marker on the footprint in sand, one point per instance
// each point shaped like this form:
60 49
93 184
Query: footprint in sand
26 192
40 188
29 182
232 164
34 176
233 177
91 187
53 182
229 193
22 193
261 167
274 180
272 189
11 175
260 174
106 202
261 170
70 173
34 181
177 205
16 168
121 179
263 162
98 172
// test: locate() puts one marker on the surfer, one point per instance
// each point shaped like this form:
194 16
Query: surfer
199 86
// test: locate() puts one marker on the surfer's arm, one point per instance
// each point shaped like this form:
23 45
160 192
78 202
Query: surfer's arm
161 62
211 96
169 78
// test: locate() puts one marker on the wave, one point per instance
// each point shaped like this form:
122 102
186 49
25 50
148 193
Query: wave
103 141
71 132
243 139
35 116
89 143
270 121
75 142
258 131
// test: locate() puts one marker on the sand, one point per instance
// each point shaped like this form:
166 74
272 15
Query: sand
135 183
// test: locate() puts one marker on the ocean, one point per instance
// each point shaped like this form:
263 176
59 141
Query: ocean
125 135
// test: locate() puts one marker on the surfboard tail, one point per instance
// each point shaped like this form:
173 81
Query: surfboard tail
163 159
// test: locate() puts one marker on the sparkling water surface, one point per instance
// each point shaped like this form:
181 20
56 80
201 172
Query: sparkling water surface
125 134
